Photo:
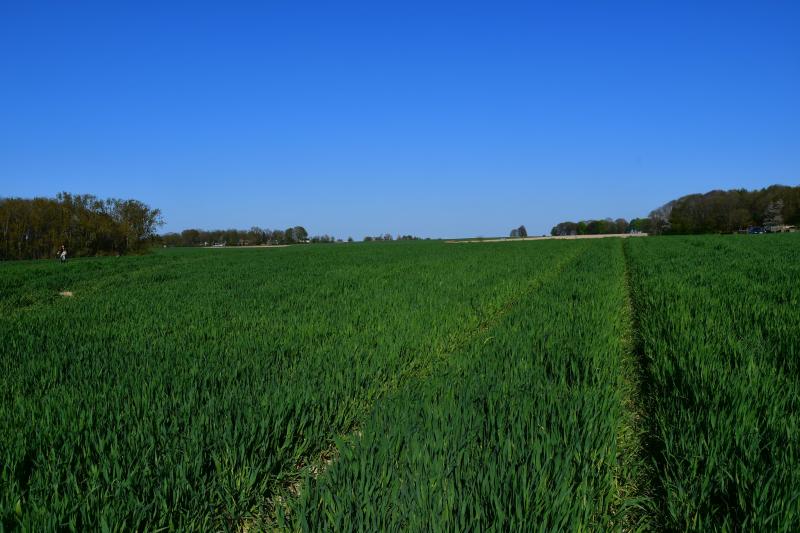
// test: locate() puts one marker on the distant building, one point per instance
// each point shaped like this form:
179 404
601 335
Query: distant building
781 228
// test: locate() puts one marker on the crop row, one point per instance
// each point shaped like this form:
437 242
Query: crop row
719 328
187 389
524 428
408 386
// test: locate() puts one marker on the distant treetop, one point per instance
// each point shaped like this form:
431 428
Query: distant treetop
711 212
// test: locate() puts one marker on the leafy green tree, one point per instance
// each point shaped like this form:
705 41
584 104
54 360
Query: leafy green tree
299 234
86 225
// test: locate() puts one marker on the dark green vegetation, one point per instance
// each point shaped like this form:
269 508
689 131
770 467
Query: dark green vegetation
719 326
522 426
86 225
260 236
233 237
711 212
728 211
592 385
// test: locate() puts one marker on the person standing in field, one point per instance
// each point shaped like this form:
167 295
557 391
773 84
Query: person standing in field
62 254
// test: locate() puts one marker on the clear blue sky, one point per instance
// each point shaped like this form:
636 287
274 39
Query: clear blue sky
432 118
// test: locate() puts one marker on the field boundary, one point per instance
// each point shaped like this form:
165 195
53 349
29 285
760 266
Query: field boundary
549 238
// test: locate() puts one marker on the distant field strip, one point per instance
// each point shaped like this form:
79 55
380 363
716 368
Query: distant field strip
549 237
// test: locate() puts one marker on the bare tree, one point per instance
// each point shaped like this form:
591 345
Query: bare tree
659 218
773 214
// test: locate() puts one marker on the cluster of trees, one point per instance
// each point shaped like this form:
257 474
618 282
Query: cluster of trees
84 224
323 239
596 227
734 210
712 212
388 237
235 237
519 232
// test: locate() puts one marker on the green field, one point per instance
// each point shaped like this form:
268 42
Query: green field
552 385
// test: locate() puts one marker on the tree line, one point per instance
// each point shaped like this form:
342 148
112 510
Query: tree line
87 226
254 236
84 224
259 236
388 237
712 212
597 227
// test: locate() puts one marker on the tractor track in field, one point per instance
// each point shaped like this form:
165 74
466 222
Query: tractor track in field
317 464
636 478
491 319
637 440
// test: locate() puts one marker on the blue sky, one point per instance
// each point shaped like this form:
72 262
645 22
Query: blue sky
433 118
